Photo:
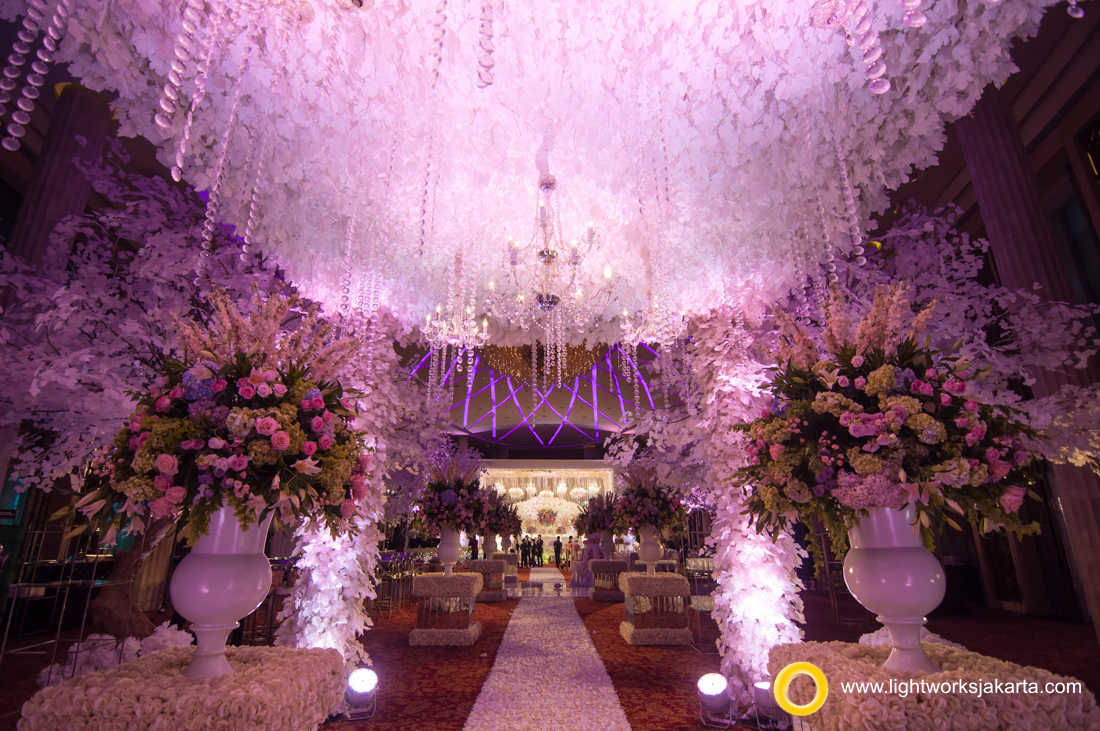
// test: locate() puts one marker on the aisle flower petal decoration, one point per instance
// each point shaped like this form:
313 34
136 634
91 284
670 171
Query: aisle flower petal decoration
875 420
248 419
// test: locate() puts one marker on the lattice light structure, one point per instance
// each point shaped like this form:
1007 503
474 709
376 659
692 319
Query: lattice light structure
493 406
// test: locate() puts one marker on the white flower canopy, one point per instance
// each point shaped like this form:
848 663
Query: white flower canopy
698 137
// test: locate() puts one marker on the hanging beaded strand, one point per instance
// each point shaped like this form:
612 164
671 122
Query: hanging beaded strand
826 243
21 117
870 46
485 46
855 230
212 203
220 14
183 49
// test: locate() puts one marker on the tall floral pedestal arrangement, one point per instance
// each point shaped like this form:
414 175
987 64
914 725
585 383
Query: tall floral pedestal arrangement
594 521
453 501
890 572
248 429
647 507
872 424
224 578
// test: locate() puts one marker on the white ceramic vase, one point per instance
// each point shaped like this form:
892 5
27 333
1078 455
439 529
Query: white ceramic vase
891 573
223 579
449 549
607 544
505 542
649 550
489 545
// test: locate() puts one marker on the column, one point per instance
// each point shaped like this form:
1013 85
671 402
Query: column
1024 251
78 129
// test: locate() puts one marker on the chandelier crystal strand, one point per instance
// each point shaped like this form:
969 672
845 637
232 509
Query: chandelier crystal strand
485 46
183 49
221 10
247 244
913 17
870 47
39 68
534 373
637 375
212 202
826 243
25 38
855 230
345 274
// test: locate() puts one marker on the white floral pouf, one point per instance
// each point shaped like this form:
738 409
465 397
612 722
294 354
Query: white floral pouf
916 709
270 688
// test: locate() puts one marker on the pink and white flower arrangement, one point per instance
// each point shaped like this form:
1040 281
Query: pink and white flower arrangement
453 497
878 421
596 516
229 429
643 501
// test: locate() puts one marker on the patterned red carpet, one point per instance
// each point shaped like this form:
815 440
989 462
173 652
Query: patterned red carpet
428 688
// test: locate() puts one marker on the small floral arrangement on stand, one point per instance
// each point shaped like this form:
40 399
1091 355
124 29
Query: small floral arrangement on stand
643 501
252 418
452 497
596 516
877 420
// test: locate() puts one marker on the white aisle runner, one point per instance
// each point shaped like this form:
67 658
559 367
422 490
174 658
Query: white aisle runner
547 673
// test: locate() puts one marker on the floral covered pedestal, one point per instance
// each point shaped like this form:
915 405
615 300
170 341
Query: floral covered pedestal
492 579
961 694
445 610
270 687
605 580
656 609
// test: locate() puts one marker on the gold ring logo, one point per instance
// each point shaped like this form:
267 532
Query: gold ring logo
783 682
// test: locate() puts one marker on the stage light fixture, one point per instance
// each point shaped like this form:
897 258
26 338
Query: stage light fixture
361 695
768 713
715 705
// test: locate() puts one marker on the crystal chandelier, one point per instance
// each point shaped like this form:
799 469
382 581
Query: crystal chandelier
543 290
455 333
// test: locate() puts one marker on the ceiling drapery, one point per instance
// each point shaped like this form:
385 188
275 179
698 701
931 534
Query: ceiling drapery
699 138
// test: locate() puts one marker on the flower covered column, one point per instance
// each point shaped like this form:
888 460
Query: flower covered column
756 602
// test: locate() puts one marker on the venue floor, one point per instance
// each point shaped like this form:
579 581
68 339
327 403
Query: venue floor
437 688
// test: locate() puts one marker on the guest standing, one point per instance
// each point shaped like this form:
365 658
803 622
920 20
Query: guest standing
557 551
538 551
473 548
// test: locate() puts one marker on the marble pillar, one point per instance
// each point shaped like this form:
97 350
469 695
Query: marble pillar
1024 251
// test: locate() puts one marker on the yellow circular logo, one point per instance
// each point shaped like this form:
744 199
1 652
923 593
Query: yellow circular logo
786 676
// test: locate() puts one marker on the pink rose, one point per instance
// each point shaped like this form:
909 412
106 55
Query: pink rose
318 403
219 384
270 375
945 399
215 443
175 494
280 440
975 435
135 426
860 382
317 424
962 422
971 406
305 405
327 416
244 388
992 453
267 426
309 448
358 487
163 403
765 412
176 392
263 390
926 389
325 441
956 387
1020 456
279 389
347 509
161 483
857 361
998 470
931 374
167 464
775 450
161 508
238 463
1013 498
842 381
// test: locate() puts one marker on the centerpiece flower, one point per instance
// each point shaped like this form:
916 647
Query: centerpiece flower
596 516
644 502
879 421
251 418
